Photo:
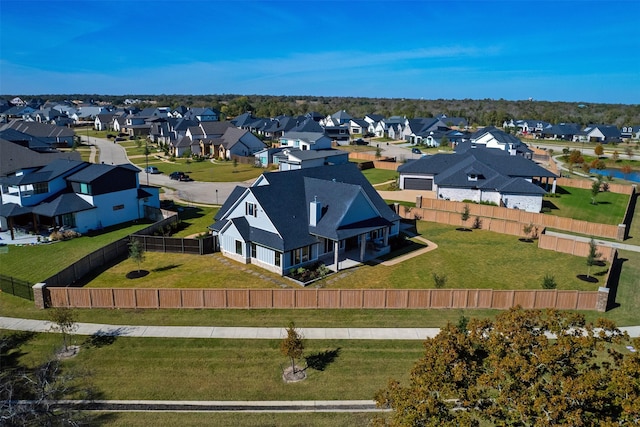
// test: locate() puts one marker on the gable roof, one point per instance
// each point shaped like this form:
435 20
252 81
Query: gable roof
63 204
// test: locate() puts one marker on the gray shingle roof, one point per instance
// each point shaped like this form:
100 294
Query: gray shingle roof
63 204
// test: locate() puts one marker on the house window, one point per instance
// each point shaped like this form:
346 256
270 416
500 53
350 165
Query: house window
238 247
305 253
40 188
69 220
85 188
118 207
300 255
253 250
251 209
277 261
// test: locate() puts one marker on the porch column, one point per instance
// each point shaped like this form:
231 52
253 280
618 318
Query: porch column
336 256
385 234
363 245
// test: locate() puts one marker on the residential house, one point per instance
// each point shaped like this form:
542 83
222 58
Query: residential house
492 137
598 133
305 140
381 129
630 132
454 122
28 155
294 158
104 121
561 131
75 195
358 127
201 115
480 175
338 118
239 142
417 130
287 220
55 136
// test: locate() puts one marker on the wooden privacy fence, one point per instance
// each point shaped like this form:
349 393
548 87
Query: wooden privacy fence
323 298
586 184
448 212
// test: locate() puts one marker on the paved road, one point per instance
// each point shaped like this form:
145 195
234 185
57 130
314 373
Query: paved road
207 193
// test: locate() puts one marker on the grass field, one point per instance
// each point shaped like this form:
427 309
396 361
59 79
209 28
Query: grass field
377 176
576 203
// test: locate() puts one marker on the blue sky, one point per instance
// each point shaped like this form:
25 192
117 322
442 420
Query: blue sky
546 50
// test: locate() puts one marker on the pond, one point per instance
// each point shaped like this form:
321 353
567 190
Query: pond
616 173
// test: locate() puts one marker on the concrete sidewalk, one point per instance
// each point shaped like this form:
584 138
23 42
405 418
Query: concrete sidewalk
31 325
16 324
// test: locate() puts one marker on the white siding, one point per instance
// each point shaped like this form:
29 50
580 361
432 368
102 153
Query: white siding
529 203
260 221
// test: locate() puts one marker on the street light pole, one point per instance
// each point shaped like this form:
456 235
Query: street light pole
146 154
216 196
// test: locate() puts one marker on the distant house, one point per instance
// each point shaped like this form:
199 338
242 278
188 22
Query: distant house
630 132
480 175
561 131
239 142
27 156
599 133
75 195
53 135
287 220
492 137
338 118
305 140
291 159
358 126
200 114
104 121
417 130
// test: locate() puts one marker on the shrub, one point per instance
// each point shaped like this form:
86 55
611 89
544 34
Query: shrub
477 223
439 280
549 282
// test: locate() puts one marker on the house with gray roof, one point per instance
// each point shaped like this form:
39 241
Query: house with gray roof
305 140
336 119
287 220
75 195
561 131
480 175
492 137
16 156
294 158
598 133
55 136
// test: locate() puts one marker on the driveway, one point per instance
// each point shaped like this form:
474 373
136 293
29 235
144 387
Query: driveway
195 192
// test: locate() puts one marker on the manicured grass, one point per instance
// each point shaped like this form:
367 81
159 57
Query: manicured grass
576 203
377 176
315 419
475 259
194 219
216 369
38 262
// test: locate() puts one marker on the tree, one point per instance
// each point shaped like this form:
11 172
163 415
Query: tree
593 257
292 345
527 229
378 153
575 157
549 282
440 280
626 170
595 189
64 321
509 372
598 150
615 156
629 152
464 215
136 252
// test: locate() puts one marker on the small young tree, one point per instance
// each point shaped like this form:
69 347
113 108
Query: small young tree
136 252
615 156
595 189
477 223
439 280
527 229
235 165
593 257
629 152
292 345
464 215
378 153
64 321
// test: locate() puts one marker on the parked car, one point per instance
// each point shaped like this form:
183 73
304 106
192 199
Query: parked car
176 175
151 169
416 150
185 178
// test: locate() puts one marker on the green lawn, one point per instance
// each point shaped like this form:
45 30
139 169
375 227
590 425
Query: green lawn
194 219
378 176
217 369
576 203
38 262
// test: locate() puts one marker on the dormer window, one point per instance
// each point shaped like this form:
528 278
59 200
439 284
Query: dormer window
472 177
251 209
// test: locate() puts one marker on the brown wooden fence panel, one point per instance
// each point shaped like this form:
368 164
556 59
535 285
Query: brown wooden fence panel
525 299
147 298
587 300
192 298
238 298
350 298
260 298
545 299
170 298
441 298
374 298
58 297
101 298
485 298
328 298
284 298
306 298
397 298
124 298
419 298
79 297
459 298
215 298
567 300
502 299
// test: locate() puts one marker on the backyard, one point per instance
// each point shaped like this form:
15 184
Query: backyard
570 202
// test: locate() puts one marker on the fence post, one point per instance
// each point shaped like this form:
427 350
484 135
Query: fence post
38 295
603 299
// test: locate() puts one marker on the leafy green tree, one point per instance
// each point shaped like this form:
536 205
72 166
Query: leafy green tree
136 252
598 150
439 280
464 215
575 157
292 345
595 189
593 257
511 372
